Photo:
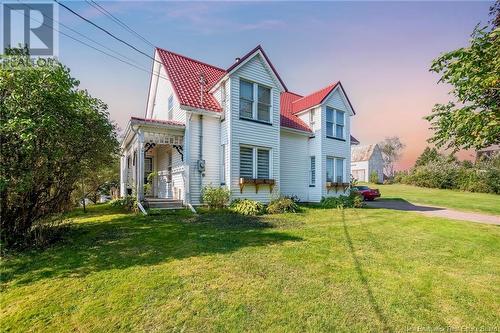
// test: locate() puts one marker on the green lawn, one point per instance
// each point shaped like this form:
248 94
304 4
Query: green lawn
466 201
319 270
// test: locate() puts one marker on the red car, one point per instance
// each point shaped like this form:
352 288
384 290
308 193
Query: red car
368 194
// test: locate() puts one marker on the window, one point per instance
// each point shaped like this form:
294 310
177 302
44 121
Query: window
223 164
311 118
312 181
335 169
246 99
264 104
255 162
148 168
223 101
334 123
170 107
251 92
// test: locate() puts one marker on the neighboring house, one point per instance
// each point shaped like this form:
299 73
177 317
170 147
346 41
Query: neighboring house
488 152
365 160
239 128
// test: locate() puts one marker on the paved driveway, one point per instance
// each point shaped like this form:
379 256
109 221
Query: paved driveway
434 211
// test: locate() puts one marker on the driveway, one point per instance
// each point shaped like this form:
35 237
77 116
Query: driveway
434 211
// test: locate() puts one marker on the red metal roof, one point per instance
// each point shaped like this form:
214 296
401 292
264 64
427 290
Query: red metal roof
313 99
288 119
184 74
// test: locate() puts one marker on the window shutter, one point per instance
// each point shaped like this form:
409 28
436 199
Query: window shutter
313 170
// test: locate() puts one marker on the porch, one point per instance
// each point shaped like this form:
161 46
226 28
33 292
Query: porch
152 162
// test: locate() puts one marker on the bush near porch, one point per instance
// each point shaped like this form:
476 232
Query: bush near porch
317 270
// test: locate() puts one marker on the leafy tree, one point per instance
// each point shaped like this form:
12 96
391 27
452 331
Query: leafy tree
428 155
472 119
391 152
51 132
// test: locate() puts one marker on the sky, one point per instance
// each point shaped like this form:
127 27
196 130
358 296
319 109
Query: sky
380 51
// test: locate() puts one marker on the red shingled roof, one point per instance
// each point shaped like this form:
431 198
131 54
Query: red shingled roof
184 73
313 99
288 119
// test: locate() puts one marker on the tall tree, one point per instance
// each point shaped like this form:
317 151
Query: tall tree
428 155
391 152
472 119
50 133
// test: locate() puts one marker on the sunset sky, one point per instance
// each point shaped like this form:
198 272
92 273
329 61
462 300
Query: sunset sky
381 51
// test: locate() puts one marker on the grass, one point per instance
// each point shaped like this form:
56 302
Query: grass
459 200
318 270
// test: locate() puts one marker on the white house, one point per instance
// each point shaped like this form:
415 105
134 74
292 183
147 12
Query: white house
365 160
240 128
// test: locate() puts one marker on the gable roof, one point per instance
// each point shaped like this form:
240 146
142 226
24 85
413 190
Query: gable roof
354 141
184 74
362 153
248 55
288 119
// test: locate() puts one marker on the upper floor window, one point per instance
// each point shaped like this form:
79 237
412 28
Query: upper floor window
254 162
335 122
255 101
335 169
170 106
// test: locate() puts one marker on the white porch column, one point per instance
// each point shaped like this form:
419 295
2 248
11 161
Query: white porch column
123 175
140 166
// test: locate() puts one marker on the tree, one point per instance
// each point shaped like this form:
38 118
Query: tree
472 119
50 133
391 152
428 155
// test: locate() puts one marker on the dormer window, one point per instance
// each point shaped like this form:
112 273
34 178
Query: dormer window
255 101
335 122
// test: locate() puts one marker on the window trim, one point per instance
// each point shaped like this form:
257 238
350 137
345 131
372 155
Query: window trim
255 150
335 159
335 124
255 102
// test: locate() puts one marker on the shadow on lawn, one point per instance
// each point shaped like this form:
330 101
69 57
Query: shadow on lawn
131 240
364 280
400 204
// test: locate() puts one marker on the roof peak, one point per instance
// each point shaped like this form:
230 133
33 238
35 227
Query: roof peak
189 58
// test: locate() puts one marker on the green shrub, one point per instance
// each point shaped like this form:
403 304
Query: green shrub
353 200
282 205
374 177
127 203
215 197
247 207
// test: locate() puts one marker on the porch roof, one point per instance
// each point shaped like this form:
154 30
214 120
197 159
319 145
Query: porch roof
165 123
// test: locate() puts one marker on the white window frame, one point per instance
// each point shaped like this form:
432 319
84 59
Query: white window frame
334 123
255 102
335 171
170 106
255 150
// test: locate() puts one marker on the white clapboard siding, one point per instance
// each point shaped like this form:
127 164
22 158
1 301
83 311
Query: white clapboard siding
244 132
332 147
295 167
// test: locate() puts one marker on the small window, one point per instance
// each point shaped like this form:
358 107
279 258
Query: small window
313 171
311 118
329 122
246 99
170 107
255 162
246 162
223 164
264 104
329 169
262 163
